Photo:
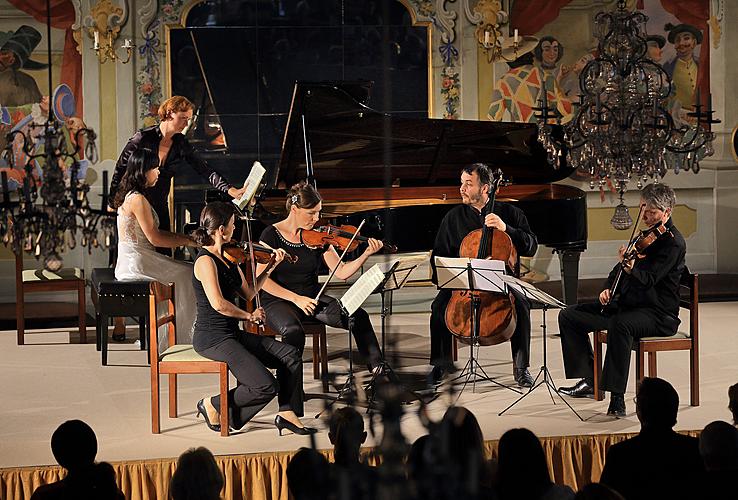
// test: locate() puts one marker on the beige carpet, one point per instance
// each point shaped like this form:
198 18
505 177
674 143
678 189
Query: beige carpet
50 380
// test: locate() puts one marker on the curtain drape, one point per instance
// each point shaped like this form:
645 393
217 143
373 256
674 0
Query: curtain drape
530 16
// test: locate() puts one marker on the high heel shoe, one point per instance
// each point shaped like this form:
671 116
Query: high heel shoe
283 423
201 411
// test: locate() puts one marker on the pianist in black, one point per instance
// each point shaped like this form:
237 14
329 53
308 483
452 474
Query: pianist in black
475 185
288 295
647 305
173 148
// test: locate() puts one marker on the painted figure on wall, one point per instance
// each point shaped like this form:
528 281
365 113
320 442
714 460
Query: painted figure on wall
18 88
683 68
655 45
518 90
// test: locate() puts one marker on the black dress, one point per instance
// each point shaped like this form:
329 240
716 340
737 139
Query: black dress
249 356
301 278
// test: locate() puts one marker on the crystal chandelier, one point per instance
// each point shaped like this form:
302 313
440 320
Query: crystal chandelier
45 213
621 128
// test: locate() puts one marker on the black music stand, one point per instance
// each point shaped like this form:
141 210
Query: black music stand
396 274
472 275
344 393
546 301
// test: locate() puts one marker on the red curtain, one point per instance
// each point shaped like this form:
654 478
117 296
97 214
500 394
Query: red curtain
530 16
696 13
62 17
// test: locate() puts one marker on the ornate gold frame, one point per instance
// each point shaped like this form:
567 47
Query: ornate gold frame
192 3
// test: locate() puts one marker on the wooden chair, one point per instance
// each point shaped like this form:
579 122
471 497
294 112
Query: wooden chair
41 280
177 359
685 339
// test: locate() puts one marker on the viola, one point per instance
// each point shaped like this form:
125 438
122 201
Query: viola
338 236
239 253
495 318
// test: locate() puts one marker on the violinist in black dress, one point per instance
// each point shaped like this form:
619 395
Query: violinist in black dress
475 186
647 306
217 335
290 291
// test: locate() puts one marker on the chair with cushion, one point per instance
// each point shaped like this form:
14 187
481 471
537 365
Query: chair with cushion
177 359
685 339
115 298
41 280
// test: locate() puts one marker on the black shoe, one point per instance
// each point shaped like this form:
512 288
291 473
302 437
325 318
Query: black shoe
201 411
283 423
119 337
435 377
582 389
617 406
523 378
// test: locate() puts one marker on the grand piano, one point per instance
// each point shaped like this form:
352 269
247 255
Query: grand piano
402 174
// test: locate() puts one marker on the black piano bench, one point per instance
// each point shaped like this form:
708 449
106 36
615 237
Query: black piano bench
115 298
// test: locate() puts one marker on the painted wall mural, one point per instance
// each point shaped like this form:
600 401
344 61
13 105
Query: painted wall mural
678 40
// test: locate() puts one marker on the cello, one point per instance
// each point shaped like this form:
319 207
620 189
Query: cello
495 320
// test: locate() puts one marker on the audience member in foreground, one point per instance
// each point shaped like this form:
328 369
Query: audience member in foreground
658 462
719 450
351 478
74 446
597 491
733 402
522 470
197 477
308 476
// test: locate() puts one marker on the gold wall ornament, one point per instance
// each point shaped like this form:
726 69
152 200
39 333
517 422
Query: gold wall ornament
103 27
491 19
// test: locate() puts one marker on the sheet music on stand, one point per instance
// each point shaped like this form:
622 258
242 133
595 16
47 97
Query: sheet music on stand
390 275
532 293
453 272
253 181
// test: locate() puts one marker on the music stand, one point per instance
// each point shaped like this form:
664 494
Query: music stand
546 301
370 281
396 274
472 275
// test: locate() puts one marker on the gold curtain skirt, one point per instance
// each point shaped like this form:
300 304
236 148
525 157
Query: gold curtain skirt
572 460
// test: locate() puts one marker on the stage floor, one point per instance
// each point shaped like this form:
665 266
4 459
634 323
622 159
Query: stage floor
49 381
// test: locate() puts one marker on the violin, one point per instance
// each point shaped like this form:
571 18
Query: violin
338 236
635 250
239 253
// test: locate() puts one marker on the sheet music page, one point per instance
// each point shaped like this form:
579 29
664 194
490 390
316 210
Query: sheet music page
253 181
361 289
452 273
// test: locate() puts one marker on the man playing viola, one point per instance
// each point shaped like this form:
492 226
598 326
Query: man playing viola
475 186
645 304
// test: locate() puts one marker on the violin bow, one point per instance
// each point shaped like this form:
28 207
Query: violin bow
340 259
631 244
252 264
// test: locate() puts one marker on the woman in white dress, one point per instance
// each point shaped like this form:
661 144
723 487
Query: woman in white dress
139 235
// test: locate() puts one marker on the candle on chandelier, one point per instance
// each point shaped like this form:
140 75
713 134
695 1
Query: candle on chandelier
486 37
96 34
515 36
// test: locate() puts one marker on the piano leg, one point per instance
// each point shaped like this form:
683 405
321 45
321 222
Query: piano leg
569 262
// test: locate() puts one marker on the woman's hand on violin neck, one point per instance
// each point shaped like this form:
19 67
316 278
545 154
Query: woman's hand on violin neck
494 221
605 296
306 304
257 316
373 247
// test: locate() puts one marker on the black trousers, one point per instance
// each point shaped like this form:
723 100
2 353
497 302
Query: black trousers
575 323
286 319
249 356
441 336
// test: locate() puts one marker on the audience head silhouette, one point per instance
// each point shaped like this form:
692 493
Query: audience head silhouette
308 475
719 446
461 446
521 465
597 491
74 445
733 402
346 435
197 476
657 403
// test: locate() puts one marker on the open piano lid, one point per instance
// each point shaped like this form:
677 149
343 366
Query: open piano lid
351 142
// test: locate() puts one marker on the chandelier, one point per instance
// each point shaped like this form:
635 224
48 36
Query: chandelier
622 128
46 211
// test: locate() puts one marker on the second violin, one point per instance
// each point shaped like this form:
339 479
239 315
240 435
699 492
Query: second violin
239 253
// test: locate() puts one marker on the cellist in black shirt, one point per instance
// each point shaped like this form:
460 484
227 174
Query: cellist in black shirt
475 185
647 305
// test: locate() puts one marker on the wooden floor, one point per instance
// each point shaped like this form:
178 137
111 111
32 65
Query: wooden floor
50 380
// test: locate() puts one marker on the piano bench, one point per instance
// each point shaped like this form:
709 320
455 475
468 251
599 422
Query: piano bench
115 298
